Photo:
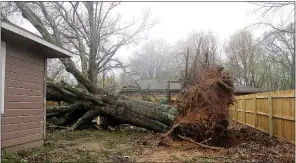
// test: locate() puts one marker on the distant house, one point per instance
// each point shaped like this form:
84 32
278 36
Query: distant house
244 90
160 88
23 86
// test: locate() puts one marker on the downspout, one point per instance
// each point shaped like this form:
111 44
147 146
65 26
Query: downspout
2 82
294 69
1 91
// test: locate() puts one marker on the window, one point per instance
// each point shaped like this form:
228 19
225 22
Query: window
2 75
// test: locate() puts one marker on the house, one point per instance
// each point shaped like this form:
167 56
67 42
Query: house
160 88
23 86
244 90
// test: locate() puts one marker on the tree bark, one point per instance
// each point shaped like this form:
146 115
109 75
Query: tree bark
152 116
148 115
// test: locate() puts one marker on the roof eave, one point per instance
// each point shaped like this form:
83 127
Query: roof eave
10 32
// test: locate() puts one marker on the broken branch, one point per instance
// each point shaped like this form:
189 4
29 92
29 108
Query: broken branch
199 144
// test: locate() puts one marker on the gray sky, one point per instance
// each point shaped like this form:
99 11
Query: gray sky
177 19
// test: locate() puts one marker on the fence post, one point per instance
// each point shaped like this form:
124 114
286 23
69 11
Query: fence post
270 115
255 111
244 109
236 112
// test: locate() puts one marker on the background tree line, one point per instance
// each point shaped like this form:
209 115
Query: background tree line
95 35
267 61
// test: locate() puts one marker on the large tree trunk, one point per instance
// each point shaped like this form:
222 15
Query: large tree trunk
152 116
148 115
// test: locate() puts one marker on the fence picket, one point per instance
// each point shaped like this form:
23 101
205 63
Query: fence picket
273 113
270 124
255 112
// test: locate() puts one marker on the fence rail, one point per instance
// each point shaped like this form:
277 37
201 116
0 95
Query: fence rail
270 112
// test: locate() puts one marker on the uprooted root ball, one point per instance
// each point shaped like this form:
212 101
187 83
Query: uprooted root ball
204 106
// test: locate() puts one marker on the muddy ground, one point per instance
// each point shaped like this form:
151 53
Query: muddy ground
244 145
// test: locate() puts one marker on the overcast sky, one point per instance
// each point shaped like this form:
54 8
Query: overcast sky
177 19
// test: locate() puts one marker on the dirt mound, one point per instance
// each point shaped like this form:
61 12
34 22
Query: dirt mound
204 106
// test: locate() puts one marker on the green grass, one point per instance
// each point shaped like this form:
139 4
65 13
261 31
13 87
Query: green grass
12 158
93 146
70 146
91 135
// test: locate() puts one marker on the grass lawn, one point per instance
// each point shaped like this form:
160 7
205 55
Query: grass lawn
141 146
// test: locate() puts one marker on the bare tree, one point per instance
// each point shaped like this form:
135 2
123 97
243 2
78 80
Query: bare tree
95 38
271 8
245 59
280 49
279 42
199 48
90 31
152 61
9 12
204 45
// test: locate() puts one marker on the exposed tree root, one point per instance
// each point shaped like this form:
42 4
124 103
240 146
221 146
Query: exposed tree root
204 106
199 144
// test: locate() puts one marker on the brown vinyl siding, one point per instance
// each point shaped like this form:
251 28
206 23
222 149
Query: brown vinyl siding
22 77
21 69
22 105
22 84
21 140
23 118
23 91
23 63
22 112
21 133
26 145
23 98
20 126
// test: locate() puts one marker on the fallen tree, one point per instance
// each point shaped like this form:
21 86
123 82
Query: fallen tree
89 30
200 113
152 116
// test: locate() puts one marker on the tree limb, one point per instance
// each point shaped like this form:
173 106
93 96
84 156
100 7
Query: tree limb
68 108
199 144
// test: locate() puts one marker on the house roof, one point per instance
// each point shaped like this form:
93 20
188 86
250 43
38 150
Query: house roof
13 33
155 84
247 90
162 85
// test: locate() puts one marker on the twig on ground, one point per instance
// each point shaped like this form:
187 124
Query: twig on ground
56 126
199 144
171 129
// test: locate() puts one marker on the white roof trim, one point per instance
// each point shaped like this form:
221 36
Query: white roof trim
34 37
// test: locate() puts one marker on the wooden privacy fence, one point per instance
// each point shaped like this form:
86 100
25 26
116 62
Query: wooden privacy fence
270 112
